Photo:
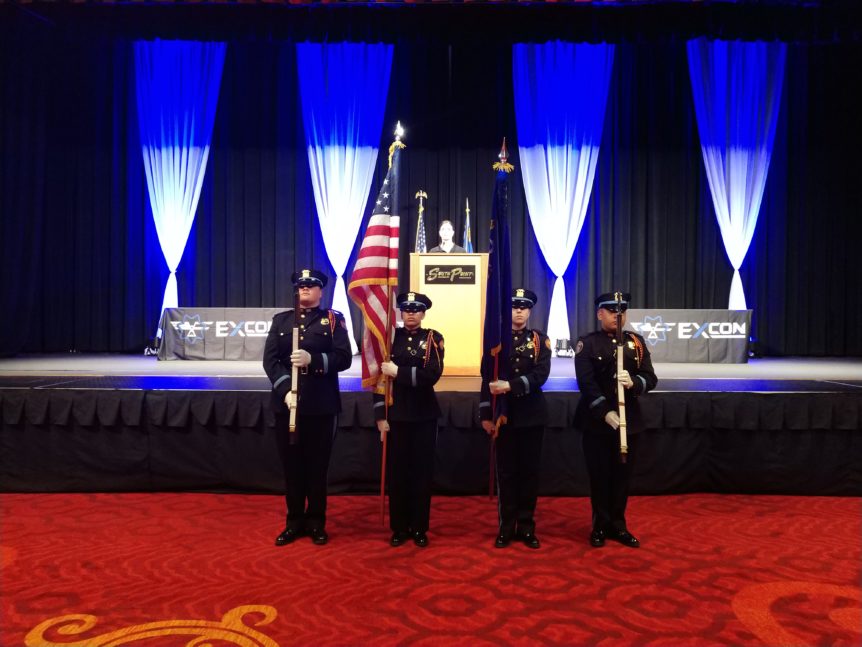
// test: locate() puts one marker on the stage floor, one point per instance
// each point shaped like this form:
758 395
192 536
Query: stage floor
127 372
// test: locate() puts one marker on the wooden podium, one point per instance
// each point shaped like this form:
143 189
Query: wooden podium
455 283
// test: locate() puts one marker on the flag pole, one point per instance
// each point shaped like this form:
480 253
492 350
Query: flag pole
387 346
492 456
499 419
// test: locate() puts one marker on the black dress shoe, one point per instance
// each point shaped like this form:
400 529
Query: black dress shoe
398 538
597 538
420 539
625 538
287 536
530 540
502 541
318 536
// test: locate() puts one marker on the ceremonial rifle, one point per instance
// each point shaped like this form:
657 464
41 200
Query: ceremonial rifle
621 390
294 370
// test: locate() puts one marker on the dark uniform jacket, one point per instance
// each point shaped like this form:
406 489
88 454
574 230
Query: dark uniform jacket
530 365
324 335
419 357
596 368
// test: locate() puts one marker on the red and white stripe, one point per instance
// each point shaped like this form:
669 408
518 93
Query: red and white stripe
374 276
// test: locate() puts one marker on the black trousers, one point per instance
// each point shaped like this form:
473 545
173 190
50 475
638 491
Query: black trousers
410 461
609 478
306 464
519 453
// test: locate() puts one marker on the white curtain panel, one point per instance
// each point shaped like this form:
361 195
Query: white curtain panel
561 92
177 85
343 89
737 93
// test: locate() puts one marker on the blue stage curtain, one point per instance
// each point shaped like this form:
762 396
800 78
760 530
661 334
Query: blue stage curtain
343 89
737 93
561 92
177 90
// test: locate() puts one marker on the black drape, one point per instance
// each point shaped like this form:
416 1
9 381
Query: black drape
82 268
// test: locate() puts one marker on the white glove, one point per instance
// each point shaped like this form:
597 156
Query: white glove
613 419
500 386
383 428
390 369
300 358
625 379
290 400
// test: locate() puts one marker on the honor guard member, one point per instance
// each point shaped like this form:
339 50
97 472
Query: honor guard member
519 440
598 418
415 365
324 351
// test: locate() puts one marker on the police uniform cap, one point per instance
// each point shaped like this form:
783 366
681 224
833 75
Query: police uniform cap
309 279
413 301
523 298
608 301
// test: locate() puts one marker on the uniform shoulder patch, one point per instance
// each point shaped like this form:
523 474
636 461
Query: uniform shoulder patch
438 338
548 343
579 347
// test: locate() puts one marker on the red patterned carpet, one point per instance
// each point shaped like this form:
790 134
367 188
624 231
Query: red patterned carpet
200 569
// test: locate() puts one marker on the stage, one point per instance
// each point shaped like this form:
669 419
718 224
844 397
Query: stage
132 423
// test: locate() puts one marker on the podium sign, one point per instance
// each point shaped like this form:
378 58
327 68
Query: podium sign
455 283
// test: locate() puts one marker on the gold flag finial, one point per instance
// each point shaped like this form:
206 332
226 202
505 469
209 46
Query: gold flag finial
503 164
399 133
421 195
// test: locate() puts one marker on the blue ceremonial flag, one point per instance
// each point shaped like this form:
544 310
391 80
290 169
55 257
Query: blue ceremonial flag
497 342
468 234
421 244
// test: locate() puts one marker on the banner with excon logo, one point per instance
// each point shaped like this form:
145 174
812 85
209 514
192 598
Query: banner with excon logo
707 336
215 333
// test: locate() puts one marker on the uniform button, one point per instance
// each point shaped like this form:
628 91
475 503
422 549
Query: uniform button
302 337
408 348
409 339
302 316
302 325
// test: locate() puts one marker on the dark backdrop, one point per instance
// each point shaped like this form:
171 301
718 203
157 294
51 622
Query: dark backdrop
82 269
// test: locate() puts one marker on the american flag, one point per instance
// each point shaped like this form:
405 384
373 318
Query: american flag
376 274
421 243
